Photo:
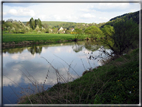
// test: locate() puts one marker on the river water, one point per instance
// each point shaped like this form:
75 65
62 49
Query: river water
42 64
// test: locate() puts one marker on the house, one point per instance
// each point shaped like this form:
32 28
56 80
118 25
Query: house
61 29
51 30
72 29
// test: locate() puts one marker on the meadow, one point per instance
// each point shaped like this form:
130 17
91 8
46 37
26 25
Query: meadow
38 37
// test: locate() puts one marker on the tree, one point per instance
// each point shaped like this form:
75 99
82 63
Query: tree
45 26
78 33
67 31
94 32
37 28
55 30
36 23
9 20
32 23
122 37
108 31
39 23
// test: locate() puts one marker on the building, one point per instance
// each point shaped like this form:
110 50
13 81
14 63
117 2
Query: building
61 29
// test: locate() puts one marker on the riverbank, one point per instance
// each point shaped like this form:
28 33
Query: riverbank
116 82
10 40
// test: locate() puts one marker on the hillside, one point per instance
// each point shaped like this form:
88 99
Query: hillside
134 16
55 23
58 24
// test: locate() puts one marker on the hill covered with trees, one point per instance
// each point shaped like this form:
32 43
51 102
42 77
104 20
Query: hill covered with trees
133 15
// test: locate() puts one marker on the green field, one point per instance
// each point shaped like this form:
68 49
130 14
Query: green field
7 38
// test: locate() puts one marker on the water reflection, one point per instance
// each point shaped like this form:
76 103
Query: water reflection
36 73
76 46
22 66
92 46
35 49
14 50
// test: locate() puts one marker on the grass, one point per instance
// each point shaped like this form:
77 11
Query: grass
7 38
116 82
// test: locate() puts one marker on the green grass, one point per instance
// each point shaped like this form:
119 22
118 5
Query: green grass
7 38
116 82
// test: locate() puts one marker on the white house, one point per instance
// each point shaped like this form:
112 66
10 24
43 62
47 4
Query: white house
61 29
72 29
51 30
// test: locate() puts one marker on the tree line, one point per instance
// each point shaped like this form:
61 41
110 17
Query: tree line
14 26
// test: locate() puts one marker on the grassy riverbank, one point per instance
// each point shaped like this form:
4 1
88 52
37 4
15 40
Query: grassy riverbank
38 37
116 82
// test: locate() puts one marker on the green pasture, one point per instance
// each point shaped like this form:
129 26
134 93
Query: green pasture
7 38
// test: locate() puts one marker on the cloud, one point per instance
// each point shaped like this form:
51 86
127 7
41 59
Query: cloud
13 12
22 12
84 10
112 5
88 16
71 12
103 18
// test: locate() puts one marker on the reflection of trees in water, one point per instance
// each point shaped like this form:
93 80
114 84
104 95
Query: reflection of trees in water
35 49
91 46
14 50
32 49
98 51
77 47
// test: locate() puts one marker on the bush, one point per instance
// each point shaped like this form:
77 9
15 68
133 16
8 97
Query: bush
122 36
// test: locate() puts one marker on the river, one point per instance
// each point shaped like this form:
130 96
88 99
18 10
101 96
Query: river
39 64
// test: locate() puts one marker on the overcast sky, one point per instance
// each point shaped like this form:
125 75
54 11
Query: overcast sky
69 12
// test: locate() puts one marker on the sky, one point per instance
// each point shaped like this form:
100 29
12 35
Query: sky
68 12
